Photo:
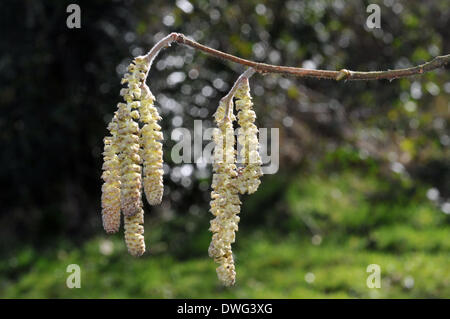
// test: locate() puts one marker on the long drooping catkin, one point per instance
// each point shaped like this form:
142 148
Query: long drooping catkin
111 178
225 203
130 168
152 152
248 179
130 156
134 233
131 171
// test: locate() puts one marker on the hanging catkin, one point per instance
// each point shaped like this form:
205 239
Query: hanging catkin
225 203
134 233
111 178
130 159
152 151
248 179
130 168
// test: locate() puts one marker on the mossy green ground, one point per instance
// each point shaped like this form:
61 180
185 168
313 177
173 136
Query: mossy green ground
354 223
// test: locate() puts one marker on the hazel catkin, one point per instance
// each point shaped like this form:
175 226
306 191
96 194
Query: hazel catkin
130 168
111 186
129 137
152 152
248 180
225 203
134 233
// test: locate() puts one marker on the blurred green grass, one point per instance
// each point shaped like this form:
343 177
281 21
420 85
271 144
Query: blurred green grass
353 220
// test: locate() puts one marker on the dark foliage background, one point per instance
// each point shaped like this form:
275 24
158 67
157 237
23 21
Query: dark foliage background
59 88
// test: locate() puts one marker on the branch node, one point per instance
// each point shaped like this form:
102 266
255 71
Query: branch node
343 74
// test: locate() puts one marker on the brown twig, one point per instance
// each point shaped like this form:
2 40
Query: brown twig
262 68
229 97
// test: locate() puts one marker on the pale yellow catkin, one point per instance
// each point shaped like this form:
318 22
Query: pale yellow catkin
152 151
225 203
130 156
249 175
129 137
134 233
111 186
130 168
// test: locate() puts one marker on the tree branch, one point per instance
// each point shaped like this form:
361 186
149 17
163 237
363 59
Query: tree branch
263 68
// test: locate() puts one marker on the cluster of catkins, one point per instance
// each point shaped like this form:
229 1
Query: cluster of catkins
228 179
132 158
133 161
